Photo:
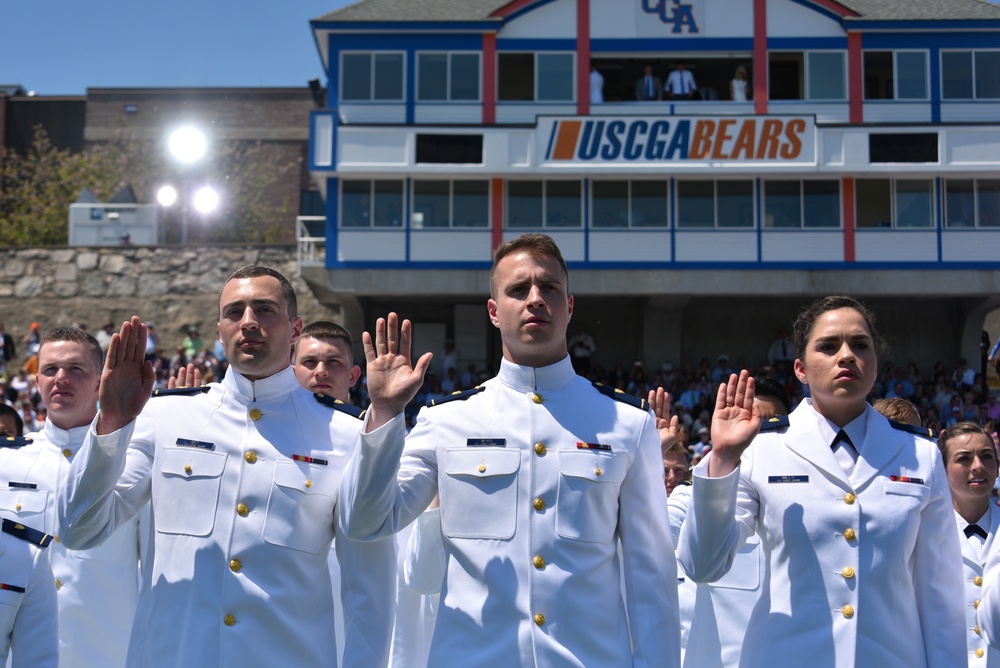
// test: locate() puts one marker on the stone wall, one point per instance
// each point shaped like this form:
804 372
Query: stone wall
174 287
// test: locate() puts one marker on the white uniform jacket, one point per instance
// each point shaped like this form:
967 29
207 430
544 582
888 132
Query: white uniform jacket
243 481
981 655
862 571
27 605
418 589
714 615
95 598
540 476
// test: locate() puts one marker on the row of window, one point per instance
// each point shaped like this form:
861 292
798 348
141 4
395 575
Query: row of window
644 204
550 77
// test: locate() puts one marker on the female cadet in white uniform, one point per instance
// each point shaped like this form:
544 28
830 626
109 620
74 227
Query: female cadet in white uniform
970 459
862 551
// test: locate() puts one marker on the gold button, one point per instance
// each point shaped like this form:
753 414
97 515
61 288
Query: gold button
539 504
847 611
598 471
849 498
538 562
979 652
255 414
976 604
57 538
229 620
67 453
58 583
540 619
235 565
309 483
17 506
187 469
849 534
978 581
482 468
251 457
536 397
539 449
242 510
977 631
847 572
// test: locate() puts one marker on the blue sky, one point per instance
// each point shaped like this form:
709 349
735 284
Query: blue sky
63 47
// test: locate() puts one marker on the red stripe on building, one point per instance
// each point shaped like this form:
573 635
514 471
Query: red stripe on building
496 211
760 56
583 57
855 72
847 204
489 78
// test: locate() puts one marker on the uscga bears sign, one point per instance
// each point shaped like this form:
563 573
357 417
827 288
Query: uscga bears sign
681 140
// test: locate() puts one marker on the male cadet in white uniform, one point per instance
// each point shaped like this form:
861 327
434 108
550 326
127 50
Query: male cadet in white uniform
541 474
243 478
97 589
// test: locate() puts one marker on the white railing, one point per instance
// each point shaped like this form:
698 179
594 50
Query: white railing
310 232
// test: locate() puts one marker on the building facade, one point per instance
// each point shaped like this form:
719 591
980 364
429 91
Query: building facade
699 162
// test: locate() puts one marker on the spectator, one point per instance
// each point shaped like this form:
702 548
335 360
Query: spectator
681 84
8 352
649 87
193 343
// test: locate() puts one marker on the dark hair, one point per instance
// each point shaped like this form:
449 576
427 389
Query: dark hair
961 429
765 386
76 335
536 245
18 420
802 329
325 329
255 271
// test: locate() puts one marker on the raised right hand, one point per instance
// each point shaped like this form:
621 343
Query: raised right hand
127 379
392 380
735 423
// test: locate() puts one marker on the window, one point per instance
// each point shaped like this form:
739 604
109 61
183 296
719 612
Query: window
801 204
371 203
895 75
448 77
714 204
970 75
544 204
451 204
368 77
536 77
634 204
809 75
895 203
972 203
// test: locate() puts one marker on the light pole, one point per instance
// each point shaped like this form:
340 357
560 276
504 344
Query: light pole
187 145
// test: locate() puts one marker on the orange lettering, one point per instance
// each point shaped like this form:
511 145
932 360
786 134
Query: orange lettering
745 140
721 137
569 132
701 143
768 146
791 150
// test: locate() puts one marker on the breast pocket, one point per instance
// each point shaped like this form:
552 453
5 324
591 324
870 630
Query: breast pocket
479 493
587 499
26 506
300 508
747 570
186 493
918 492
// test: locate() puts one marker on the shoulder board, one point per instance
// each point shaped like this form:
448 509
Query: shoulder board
460 395
15 441
775 423
338 405
925 432
685 483
618 395
34 536
182 392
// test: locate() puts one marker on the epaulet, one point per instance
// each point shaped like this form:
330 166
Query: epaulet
619 395
685 483
459 395
34 536
925 432
182 391
15 441
775 423
338 405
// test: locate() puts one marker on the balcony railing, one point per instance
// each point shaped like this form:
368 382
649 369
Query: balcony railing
311 236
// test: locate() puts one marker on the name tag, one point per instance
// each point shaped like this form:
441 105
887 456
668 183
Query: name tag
903 478
486 443
580 445
772 479
23 485
188 443
310 460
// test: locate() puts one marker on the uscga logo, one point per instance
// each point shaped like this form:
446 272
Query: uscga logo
673 12
702 139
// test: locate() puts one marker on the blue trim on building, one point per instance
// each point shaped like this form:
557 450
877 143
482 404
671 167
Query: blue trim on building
313 167
536 45
934 75
586 218
759 205
332 219
388 27
806 43
939 215
668 266
686 44
407 215
919 26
